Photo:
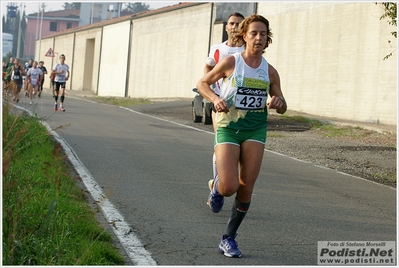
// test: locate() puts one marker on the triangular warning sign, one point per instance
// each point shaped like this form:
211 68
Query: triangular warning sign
50 53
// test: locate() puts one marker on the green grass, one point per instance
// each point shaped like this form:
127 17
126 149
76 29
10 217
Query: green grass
328 129
46 217
387 177
333 131
274 135
301 119
120 101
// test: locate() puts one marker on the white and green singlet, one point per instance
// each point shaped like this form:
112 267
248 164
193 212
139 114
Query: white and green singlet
245 91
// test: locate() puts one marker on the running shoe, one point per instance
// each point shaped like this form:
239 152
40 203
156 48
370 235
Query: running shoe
30 103
55 107
228 246
39 94
62 109
215 200
26 94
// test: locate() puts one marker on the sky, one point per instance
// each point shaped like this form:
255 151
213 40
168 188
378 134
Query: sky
33 7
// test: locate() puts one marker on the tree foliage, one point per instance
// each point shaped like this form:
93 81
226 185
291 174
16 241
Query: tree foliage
390 12
72 5
136 7
22 42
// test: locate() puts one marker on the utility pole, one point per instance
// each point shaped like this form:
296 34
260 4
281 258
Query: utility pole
19 31
41 27
91 13
37 21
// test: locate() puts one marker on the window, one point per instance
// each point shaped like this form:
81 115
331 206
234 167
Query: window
53 26
69 25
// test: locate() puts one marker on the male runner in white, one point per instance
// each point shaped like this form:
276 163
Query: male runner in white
61 71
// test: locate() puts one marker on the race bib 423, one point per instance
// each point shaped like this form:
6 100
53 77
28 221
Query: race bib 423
250 98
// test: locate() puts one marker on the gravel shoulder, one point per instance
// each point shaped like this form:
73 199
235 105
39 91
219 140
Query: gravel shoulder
357 151
344 146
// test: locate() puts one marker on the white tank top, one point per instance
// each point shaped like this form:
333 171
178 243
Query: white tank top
219 52
245 91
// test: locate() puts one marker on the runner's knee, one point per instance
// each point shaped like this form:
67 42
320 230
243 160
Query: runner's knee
228 189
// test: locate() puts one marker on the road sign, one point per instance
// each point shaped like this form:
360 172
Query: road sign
50 53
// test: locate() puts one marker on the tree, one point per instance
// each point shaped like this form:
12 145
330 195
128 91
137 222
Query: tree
5 25
11 26
73 6
391 14
23 33
7 57
136 7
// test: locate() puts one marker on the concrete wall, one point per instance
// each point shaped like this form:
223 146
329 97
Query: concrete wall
217 34
46 44
86 60
330 59
114 60
329 56
61 45
168 53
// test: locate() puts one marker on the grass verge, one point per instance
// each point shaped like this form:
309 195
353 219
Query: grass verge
301 119
330 130
46 218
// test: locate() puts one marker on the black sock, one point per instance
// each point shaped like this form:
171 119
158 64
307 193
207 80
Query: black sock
238 212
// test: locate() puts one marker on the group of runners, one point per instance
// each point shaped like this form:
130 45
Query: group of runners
240 84
31 77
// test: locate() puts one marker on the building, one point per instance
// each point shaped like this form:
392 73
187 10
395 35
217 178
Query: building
97 12
40 25
7 43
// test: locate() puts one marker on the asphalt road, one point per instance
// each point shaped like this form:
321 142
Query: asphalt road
155 173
